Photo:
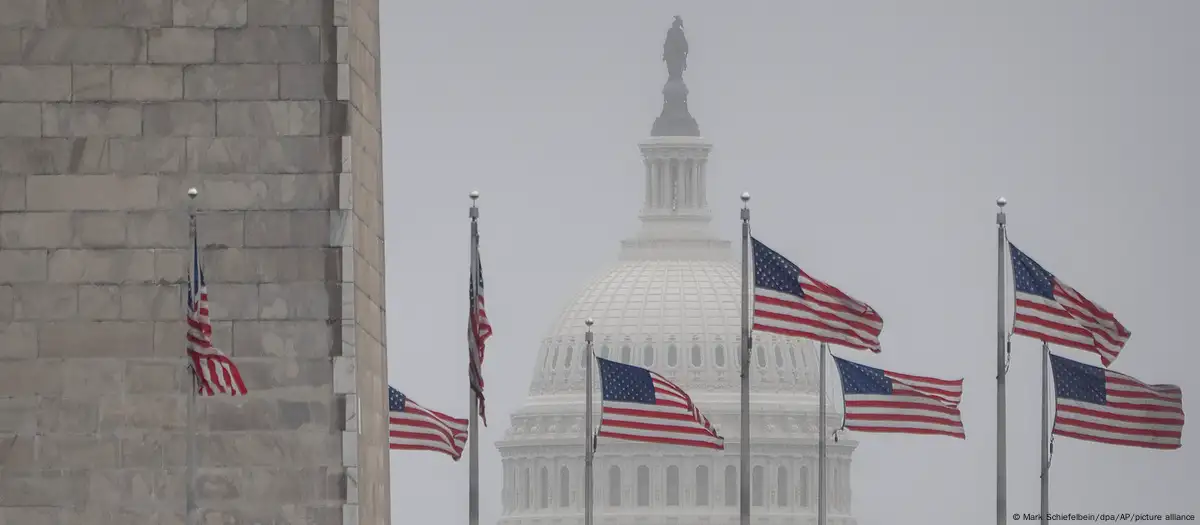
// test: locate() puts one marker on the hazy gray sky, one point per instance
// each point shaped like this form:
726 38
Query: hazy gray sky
875 138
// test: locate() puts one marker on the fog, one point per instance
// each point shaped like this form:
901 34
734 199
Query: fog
875 139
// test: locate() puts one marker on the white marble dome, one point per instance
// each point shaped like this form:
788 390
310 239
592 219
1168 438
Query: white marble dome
672 304
677 317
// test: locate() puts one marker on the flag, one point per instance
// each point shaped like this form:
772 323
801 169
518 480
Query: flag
414 427
1096 404
640 405
1050 311
478 332
213 370
882 401
789 302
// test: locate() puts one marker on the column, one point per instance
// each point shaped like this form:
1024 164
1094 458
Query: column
507 492
657 183
673 182
664 184
694 185
649 176
689 179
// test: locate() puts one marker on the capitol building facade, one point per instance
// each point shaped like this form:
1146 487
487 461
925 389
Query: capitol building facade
671 303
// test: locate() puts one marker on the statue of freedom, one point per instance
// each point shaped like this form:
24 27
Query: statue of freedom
675 50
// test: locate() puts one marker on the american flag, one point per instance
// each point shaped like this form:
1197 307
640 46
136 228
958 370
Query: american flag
414 427
1050 311
881 401
789 302
1095 404
478 332
213 370
640 405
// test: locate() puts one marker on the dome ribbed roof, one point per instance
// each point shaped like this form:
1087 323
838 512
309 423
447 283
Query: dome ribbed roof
680 318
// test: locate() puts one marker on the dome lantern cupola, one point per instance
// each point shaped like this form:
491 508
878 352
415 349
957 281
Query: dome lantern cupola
675 216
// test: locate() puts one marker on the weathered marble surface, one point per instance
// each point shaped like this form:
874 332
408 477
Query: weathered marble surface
109 111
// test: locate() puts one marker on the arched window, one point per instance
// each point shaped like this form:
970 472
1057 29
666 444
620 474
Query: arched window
672 486
719 356
735 357
731 486
802 486
702 484
782 488
756 486
626 354
552 359
564 487
567 359
643 486
614 485
761 354
778 356
648 356
544 489
697 356
672 356
604 351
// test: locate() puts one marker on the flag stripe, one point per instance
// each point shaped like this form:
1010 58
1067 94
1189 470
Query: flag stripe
1096 404
1113 439
783 314
878 400
789 302
479 329
1047 309
414 427
213 370
643 406
948 395
866 403
918 430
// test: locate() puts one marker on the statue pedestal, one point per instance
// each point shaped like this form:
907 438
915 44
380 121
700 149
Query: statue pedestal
675 120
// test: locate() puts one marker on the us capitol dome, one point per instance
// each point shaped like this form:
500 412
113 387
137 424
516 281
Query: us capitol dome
670 303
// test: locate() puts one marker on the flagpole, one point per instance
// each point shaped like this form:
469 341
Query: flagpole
1045 433
821 492
190 471
473 417
589 447
1001 432
745 439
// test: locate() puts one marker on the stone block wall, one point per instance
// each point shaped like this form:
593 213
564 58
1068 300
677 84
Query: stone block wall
109 111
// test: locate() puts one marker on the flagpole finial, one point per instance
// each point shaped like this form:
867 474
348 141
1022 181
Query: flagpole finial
745 197
589 322
1001 202
474 195
192 193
